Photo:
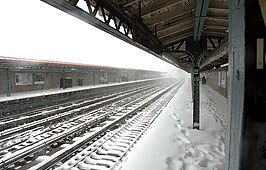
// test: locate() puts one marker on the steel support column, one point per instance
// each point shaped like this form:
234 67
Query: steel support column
93 78
200 14
236 79
196 49
140 10
246 140
8 93
64 79
196 97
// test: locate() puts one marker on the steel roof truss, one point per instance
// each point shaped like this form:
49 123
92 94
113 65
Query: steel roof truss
200 14
218 52
212 43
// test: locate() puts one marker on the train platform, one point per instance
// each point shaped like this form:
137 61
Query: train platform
37 93
171 143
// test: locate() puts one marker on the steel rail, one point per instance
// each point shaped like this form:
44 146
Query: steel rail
67 151
128 134
60 109
47 142
83 107
12 107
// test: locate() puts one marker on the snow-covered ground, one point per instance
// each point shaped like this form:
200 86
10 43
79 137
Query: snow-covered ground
172 144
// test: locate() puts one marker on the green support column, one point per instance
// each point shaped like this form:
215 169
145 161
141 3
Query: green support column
93 78
234 157
196 98
64 79
196 50
8 93
246 137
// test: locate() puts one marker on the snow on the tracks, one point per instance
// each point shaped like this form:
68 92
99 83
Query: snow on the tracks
172 144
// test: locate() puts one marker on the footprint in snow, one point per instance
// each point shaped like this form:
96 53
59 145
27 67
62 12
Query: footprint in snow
172 115
193 155
181 122
204 163
174 164
218 151
178 126
179 140
185 132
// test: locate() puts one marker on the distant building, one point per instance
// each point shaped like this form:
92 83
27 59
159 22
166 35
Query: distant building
18 75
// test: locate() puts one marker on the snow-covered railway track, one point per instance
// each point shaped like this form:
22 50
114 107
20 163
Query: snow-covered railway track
61 134
33 112
110 149
14 107
75 109
22 118
58 128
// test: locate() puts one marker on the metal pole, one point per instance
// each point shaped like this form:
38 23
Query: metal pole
64 80
93 78
246 137
8 93
140 10
196 98
233 157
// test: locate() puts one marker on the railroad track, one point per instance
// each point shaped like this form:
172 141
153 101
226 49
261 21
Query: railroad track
15 107
82 125
79 113
76 120
83 106
108 151
25 117
107 146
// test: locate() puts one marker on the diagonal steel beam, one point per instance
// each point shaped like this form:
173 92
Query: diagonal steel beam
218 52
86 17
92 20
200 14
178 63
110 6
262 4
212 43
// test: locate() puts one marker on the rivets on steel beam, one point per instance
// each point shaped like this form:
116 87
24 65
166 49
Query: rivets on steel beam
237 4
237 75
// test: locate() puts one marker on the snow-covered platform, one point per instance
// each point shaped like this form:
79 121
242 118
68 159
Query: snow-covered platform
171 143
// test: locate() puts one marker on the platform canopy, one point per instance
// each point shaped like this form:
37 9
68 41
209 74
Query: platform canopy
161 27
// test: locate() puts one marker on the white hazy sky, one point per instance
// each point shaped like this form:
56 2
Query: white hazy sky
35 30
